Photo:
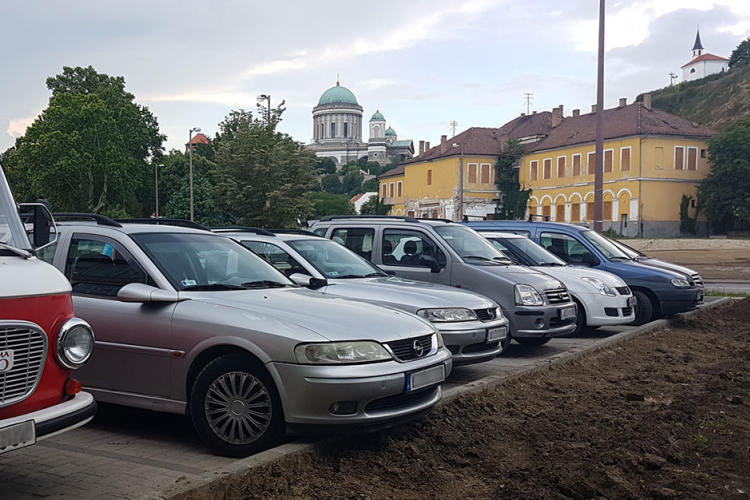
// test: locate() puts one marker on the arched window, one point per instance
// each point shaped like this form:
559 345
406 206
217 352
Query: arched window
692 70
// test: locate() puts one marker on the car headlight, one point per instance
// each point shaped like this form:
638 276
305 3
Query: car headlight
603 288
75 344
450 314
339 353
527 295
680 283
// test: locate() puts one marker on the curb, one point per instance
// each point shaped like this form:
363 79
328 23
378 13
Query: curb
203 486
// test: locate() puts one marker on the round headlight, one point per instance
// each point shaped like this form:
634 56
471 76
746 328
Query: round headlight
75 344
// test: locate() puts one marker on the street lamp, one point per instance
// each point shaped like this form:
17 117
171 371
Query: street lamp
156 177
267 98
460 208
190 147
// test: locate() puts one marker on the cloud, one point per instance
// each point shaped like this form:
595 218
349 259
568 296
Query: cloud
17 126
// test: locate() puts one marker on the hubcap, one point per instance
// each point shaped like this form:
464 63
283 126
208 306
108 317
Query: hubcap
238 408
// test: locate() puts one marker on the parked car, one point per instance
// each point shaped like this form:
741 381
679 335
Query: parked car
472 326
602 298
41 341
537 305
191 322
658 292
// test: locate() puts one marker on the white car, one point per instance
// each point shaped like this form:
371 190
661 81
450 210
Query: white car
602 298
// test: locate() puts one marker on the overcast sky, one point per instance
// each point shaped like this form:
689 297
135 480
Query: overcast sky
423 63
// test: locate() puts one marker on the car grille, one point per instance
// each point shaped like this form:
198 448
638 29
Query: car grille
697 280
480 347
486 314
623 290
29 346
557 296
404 349
401 400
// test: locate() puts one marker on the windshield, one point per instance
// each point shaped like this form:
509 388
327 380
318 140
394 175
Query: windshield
208 262
12 232
334 260
606 247
525 250
631 252
469 244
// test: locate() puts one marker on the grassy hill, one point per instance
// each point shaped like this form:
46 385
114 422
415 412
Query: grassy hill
716 101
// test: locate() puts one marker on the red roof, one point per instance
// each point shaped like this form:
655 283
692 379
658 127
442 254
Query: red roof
705 57
199 139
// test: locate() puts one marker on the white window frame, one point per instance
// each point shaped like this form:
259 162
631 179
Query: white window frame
399 189
384 190
531 169
391 190
550 169
697 157
604 160
468 170
684 157
489 172
588 163
573 162
630 166
557 166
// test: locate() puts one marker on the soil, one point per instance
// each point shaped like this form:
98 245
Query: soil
663 416
714 264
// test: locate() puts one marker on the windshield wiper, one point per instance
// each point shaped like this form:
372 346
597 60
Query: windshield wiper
213 287
620 258
552 264
356 276
263 284
18 251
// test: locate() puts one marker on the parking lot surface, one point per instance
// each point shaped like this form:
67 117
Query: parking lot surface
129 453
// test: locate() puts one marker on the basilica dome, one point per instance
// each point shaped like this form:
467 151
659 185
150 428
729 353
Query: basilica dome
337 95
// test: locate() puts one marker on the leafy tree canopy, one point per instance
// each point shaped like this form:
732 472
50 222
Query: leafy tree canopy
371 185
351 184
374 206
330 204
326 166
331 184
513 199
741 55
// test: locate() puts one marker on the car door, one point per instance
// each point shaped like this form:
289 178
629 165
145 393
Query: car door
401 251
132 353
569 249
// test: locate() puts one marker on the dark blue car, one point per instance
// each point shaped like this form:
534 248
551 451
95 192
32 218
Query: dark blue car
658 292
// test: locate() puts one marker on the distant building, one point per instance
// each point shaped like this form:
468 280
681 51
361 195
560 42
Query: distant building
197 139
703 64
361 199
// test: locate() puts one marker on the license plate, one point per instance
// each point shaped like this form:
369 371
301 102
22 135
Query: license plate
496 334
424 378
17 436
631 301
6 360
568 312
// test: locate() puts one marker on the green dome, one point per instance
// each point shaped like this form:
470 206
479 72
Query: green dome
378 116
337 95
390 131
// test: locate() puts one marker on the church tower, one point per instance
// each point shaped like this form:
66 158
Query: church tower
376 146
698 46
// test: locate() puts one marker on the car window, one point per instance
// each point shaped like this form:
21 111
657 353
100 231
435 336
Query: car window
100 266
499 244
321 231
605 246
470 245
47 254
566 247
334 260
276 256
357 239
405 248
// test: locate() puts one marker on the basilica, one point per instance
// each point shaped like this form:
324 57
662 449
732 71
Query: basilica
337 131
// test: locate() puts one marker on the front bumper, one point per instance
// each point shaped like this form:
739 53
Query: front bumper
468 341
379 389
53 420
540 321
603 310
680 301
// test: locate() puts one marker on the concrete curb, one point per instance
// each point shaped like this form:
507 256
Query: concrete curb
202 487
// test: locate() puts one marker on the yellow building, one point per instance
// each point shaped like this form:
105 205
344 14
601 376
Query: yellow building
651 158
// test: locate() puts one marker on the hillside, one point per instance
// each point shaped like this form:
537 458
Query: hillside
715 101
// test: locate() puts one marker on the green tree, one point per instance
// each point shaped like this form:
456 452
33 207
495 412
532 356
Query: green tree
331 184
513 199
174 187
725 192
741 55
326 166
330 204
351 184
206 211
371 185
374 206
262 174
90 150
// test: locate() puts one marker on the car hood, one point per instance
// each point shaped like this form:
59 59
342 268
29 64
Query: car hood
407 294
334 318
632 270
574 274
521 275
661 264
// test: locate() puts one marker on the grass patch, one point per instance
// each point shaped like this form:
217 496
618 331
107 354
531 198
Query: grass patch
717 293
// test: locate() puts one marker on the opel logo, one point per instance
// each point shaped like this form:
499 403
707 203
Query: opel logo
418 349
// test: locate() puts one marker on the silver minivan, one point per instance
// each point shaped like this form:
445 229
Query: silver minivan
537 305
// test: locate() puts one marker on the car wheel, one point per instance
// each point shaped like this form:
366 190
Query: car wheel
581 320
505 343
644 310
532 341
235 406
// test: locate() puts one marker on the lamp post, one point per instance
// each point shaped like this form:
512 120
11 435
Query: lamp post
156 178
267 98
460 208
599 172
190 148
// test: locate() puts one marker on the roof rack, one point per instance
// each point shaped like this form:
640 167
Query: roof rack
439 220
165 222
294 231
99 219
242 229
545 218
339 217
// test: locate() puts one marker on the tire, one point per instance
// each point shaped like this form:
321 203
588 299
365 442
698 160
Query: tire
644 309
218 403
505 343
532 341
581 320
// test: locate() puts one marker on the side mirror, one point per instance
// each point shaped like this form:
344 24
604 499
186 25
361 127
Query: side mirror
589 259
43 224
138 292
429 261
308 281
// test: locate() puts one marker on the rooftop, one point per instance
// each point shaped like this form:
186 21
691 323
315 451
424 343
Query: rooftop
706 57
337 95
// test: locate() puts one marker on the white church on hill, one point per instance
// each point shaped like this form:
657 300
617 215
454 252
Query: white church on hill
703 64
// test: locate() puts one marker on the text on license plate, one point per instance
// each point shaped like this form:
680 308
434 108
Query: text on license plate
17 436
496 334
568 312
424 378
6 360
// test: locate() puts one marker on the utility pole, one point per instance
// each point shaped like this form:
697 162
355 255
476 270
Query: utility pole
454 126
528 97
599 173
460 208
190 147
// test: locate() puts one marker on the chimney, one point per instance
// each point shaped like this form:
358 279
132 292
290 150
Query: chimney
556 117
561 110
421 148
623 102
504 140
426 146
533 112
647 101
443 144
593 108
576 112
523 114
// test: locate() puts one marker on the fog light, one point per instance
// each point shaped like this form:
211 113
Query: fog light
343 408
72 387
539 323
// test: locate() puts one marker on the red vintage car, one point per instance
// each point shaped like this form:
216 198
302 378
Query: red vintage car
41 340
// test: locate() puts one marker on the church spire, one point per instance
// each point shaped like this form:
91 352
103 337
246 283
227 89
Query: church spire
698 46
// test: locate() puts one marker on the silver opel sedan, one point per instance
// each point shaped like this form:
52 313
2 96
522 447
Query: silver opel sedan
191 322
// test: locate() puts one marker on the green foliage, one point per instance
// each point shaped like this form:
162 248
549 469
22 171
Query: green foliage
351 184
741 55
687 222
371 185
330 204
513 199
263 174
326 166
725 192
174 188
331 184
374 206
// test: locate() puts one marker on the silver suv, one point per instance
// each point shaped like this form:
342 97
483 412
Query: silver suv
472 326
537 305
191 322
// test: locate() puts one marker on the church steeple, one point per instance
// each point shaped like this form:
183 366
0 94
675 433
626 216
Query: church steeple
698 46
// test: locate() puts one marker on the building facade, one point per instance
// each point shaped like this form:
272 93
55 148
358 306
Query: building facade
703 64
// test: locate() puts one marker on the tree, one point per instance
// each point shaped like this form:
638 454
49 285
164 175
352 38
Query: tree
371 185
174 188
330 204
262 174
741 55
331 184
374 206
352 181
90 150
725 192
326 166
513 199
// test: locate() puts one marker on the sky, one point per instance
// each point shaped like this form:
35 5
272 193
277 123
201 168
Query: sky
422 63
